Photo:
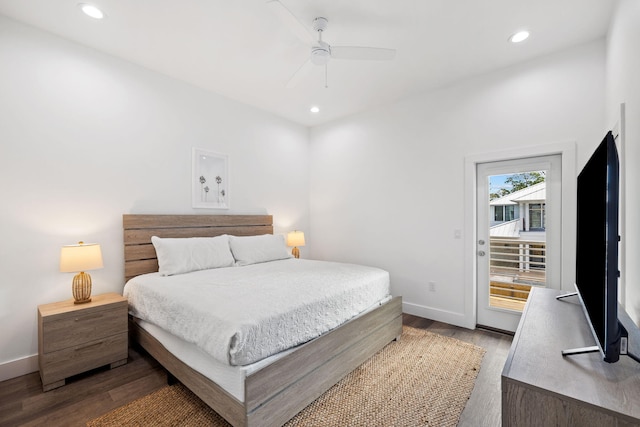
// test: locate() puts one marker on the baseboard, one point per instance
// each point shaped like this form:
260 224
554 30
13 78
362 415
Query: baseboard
450 317
18 367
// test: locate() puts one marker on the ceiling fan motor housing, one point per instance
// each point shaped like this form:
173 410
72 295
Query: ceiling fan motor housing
321 53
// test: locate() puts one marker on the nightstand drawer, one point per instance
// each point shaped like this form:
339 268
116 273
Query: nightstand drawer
64 363
77 328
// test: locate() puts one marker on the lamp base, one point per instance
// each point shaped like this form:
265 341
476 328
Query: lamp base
296 252
81 288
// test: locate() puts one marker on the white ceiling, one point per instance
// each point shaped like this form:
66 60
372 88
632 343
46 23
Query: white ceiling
242 50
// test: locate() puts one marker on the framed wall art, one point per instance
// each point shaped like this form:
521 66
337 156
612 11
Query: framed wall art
210 180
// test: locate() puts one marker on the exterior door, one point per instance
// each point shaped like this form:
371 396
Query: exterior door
519 235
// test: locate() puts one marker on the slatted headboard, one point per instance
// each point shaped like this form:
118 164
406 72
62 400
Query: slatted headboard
139 254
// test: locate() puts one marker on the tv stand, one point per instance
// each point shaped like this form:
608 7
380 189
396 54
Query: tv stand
570 294
540 387
594 348
581 350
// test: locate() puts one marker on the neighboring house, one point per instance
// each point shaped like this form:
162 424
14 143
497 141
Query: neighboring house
518 240
520 214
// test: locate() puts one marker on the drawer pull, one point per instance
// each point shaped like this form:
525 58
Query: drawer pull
89 317
89 346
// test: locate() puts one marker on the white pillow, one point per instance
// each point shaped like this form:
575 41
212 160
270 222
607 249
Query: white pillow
254 249
182 255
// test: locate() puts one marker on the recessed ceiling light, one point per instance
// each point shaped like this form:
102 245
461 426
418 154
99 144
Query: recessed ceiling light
314 109
91 10
518 37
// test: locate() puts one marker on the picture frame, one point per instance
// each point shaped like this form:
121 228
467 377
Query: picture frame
210 179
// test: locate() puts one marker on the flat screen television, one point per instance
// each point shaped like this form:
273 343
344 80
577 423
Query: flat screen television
597 247
597 242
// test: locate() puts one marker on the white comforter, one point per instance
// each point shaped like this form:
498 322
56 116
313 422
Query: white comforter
240 315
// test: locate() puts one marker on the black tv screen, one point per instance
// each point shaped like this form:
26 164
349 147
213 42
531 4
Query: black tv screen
597 246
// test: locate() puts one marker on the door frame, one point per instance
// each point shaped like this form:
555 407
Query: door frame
567 151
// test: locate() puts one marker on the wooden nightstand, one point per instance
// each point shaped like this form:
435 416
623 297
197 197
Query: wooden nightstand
74 338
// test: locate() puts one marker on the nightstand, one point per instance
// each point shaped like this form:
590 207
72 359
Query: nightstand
74 338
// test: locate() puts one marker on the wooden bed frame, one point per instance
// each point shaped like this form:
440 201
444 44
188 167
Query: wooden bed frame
277 392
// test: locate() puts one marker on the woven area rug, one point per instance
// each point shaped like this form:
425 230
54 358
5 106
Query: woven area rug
425 379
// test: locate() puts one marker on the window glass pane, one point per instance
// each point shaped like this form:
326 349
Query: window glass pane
517 260
536 216
536 219
510 213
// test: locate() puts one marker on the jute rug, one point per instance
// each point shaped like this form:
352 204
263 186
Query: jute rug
425 379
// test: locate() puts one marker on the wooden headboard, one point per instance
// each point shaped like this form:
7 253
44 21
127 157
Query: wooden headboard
140 255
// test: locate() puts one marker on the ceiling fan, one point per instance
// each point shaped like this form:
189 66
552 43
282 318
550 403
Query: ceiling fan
321 51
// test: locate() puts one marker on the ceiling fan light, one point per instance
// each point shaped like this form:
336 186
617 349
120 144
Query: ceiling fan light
91 10
519 37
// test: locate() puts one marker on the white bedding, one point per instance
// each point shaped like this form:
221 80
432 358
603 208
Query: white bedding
240 315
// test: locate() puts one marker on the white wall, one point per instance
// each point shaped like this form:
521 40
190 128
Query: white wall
387 185
623 86
85 137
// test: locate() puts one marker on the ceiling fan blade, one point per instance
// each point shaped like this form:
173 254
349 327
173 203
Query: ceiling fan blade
290 20
359 52
299 74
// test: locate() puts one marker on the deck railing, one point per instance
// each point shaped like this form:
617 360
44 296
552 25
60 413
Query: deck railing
515 266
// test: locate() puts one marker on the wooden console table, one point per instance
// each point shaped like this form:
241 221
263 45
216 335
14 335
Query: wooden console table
540 387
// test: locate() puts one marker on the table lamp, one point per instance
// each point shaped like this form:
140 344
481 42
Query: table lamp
295 239
80 258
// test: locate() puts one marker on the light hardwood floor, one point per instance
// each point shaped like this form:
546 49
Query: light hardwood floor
89 395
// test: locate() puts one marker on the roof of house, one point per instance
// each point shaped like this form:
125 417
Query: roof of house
506 229
534 193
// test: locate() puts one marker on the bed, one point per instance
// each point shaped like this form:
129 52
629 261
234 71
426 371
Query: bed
274 388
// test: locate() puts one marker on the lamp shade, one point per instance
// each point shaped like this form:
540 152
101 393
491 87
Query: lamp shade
295 238
80 257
